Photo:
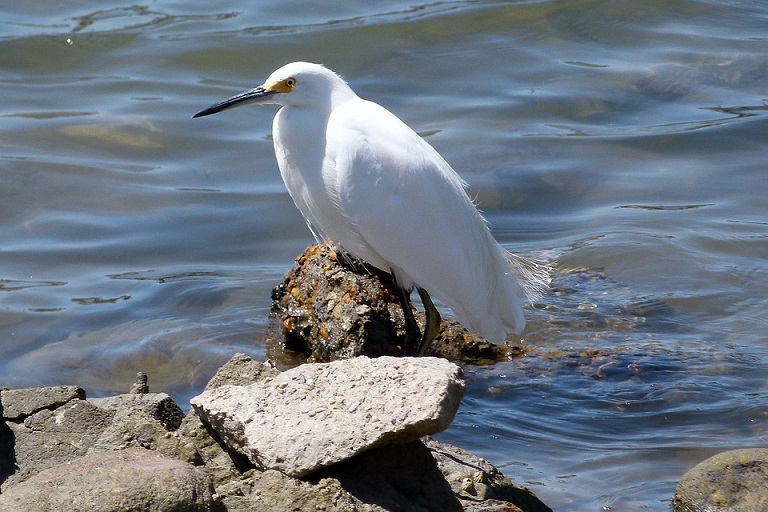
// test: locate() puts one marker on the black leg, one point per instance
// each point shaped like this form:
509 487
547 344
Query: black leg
431 323
412 332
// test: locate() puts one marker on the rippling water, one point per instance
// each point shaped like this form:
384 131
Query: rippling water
624 140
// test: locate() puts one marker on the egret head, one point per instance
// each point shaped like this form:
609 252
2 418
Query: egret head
295 84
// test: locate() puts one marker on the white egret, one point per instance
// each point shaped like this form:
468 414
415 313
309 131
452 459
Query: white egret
365 180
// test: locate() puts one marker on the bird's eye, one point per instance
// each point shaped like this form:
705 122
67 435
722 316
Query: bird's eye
290 82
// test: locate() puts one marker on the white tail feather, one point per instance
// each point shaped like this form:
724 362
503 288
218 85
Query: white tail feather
533 274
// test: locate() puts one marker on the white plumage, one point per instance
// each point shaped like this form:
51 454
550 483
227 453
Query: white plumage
362 178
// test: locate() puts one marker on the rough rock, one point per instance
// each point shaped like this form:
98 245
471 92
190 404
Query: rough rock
50 437
62 432
396 477
316 415
332 307
140 386
733 481
139 420
478 484
241 370
122 480
20 403
158 406
391 477
272 491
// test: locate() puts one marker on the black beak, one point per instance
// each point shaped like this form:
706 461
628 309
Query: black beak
252 96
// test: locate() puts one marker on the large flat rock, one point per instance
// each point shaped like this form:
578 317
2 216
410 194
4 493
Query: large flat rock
316 415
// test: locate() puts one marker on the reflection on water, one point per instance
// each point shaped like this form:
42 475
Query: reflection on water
625 142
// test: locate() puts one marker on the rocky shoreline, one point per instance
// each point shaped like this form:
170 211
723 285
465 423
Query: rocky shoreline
139 451
247 446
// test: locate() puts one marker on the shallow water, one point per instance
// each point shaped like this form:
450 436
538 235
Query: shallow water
626 141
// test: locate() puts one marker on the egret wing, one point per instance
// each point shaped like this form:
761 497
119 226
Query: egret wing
406 208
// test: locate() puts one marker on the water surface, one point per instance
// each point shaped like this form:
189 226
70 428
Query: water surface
624 140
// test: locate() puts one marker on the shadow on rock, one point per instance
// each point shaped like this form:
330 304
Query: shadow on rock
397 477
7 449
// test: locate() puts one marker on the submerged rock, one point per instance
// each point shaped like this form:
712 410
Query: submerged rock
332 307
732 481
319 414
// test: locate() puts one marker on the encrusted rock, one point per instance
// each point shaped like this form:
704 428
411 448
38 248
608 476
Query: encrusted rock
316 415
732 481
332 307
114 481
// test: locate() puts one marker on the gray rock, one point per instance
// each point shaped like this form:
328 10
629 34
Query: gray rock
242 370
157 406
51 437
60 433
122 480
139 420
732 481
478 484
316 415
272 491
396 477
195 443
140 386
387 477
20 403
